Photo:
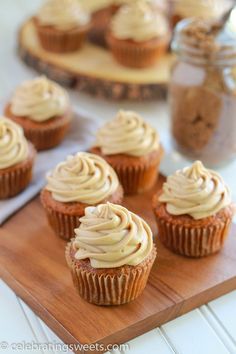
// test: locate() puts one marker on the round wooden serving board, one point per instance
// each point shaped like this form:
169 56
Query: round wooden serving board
93 69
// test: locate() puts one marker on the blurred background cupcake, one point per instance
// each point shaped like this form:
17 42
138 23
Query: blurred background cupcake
16 159
81 180
62 25
42 108
138 36
206 9
111 256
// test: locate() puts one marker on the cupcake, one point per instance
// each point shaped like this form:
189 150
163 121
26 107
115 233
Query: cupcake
207 9
62 25
111 256
138 35
132 148
43 110
82 180
101 13
16 159
193 211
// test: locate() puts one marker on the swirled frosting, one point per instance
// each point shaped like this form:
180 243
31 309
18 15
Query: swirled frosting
139 22
195 191
13 145
200 8
127 134
95 5
111 236
62 14
39 100
84 178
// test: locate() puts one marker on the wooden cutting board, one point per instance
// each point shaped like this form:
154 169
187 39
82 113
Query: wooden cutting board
32 262
93 69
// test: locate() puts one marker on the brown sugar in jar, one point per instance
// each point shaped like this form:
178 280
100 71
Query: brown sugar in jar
202 92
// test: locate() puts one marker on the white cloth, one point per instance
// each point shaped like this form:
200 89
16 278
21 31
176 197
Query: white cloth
79 138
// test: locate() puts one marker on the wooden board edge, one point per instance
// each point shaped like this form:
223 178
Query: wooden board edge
172 312
96 87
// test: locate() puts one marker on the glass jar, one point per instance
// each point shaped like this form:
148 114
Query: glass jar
202 92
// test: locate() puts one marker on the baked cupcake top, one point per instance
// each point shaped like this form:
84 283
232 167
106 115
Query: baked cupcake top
62 14
127 134
139 22
39 99
111 236
84 178
14 147
195 191
200 8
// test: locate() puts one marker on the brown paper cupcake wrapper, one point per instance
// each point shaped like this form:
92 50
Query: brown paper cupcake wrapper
105 289
61 42
50 136
15 181
62 224
136 56
190 241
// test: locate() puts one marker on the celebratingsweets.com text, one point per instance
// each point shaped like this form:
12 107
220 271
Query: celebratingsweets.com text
55 346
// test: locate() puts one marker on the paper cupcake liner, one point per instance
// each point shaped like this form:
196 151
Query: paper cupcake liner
46 135
64 224
100 23
193 241
107 289
15 180
136 55
57 41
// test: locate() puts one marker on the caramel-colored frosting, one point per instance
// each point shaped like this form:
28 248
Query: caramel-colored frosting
195 191
84 178
139 22
111 236
200 8
62 14
39 100
13 145
127 134
95 5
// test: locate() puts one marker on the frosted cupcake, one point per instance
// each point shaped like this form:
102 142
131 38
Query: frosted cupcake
101 13
81 180
138 35
194 211
62 25
16 159
132 147
206 9
111 256
43 110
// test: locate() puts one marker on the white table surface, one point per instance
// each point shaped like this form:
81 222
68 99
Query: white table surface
210 329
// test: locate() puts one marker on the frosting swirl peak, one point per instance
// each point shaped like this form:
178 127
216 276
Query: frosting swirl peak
84 178
13 145
111 236
138 21
39 100
195 191
63 14
127 134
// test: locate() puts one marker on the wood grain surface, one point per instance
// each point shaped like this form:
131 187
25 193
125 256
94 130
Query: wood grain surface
94 70
33 264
